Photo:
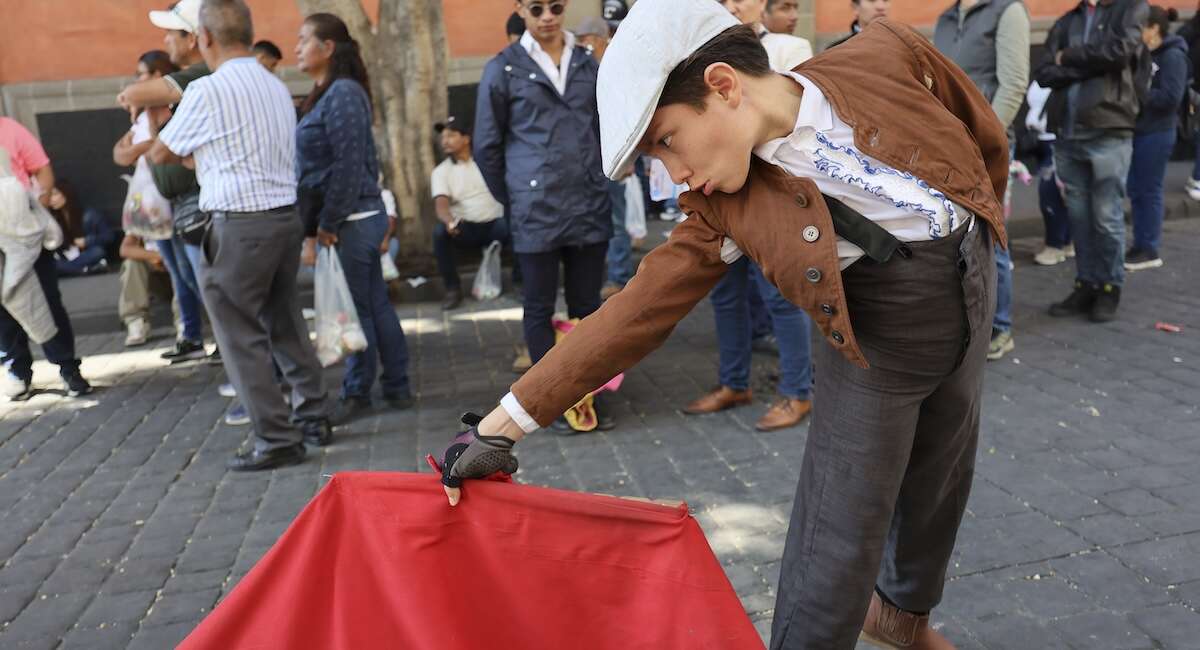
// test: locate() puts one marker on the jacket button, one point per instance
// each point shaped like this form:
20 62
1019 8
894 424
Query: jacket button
811 234
508 68
837 337
802 200
532 76
813 274
533 183
827 309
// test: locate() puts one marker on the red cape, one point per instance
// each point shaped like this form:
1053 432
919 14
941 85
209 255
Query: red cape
380 560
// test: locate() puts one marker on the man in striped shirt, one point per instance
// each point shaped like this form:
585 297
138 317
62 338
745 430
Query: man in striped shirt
238 124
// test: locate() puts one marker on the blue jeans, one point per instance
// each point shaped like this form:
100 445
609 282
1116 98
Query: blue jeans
1151 152
59 350
1094 171
620 247
358 250
731 310
476 235
100 237
1050 199
190 306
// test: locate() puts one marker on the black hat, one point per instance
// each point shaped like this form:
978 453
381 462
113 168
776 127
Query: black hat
614 11
454 124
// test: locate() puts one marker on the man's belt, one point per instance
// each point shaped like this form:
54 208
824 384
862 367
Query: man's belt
876 242
229 214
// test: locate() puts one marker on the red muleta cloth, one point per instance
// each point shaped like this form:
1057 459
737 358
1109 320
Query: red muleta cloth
380 560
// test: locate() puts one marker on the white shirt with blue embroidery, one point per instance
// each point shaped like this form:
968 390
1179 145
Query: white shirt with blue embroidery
822 149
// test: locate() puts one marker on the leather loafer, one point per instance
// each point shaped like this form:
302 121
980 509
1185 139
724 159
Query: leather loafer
254 460
888 626
318 434
719 400
785 413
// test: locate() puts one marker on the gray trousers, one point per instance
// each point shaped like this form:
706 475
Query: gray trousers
891 449
248 277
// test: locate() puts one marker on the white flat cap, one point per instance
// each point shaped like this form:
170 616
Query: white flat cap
656 36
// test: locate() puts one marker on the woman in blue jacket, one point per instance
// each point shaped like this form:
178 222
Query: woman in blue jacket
1154 137
338 173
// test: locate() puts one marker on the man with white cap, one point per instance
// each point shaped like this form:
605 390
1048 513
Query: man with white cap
881 231
182 23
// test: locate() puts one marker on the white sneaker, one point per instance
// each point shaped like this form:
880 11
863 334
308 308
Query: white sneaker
1192 187
226 390
137 332
13 388
1069 250
1049 256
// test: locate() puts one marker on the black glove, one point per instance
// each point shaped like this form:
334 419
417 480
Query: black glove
479 458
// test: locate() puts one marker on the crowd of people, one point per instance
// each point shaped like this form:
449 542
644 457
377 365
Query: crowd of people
1104 105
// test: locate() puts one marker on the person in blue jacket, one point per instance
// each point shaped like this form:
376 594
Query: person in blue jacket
1154 136
537 144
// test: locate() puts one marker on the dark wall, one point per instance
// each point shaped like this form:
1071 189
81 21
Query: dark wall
79 144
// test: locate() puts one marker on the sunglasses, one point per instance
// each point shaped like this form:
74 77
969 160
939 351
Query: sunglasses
537 9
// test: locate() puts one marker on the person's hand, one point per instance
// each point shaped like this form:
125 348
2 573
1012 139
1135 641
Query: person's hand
481 457
308 256
383 247
80 243
326 238
189 162
156 262
123 102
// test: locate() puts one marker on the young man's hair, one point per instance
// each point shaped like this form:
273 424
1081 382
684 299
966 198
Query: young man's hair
269 49
228 21
738 46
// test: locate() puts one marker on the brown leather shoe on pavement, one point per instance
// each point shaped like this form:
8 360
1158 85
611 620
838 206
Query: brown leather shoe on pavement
785 413
720 399
890 627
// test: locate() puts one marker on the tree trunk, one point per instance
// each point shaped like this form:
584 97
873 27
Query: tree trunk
405 53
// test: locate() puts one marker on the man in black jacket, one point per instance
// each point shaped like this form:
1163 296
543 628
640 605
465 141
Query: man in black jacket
1098 68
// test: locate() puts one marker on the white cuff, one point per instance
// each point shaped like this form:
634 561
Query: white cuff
518 413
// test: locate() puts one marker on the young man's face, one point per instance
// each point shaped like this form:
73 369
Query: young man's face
179 46
543 18
455 143
708 150
869 10
747 11
781 17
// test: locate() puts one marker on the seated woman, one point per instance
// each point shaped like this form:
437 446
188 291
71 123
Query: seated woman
88 238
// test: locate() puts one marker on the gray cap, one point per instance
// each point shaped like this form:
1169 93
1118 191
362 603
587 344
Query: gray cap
593 26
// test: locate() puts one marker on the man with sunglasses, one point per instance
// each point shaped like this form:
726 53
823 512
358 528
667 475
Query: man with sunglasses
537 144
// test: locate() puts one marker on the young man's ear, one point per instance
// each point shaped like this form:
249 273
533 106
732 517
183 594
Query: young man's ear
723 80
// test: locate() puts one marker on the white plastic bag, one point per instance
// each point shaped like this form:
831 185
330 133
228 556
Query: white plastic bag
635 208
662 188
390 272
146 213
339 333
487 281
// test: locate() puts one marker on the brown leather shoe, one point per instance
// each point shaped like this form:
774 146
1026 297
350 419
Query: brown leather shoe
720 399
890 627
785 413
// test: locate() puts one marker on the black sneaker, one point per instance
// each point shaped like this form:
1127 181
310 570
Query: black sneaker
77 386
1104 308
1138 259
349 409
317 433
400 402
253 461
185 351
1079 302
452 300
766 344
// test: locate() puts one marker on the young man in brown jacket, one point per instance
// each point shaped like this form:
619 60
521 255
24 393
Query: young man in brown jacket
865 185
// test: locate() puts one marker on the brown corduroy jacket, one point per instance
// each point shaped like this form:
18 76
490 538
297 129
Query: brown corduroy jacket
909 106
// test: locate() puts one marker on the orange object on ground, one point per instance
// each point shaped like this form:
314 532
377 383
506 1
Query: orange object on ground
1168 327
379 560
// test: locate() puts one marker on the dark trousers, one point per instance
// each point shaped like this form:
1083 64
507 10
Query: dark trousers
583 275
59 350
474 235
1050 199
891 449
248 275
1151 152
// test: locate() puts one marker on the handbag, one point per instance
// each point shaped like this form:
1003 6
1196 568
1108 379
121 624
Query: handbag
190 221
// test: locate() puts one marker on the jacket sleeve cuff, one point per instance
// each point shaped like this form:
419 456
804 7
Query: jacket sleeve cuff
517 412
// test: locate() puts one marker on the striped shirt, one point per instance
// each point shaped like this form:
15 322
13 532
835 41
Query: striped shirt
240 124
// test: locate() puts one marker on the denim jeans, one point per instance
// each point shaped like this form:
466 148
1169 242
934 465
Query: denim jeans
583 275
1050 199
620 247
1151 152
59 350
1094 171
100 236
731 309
190 305
358 250
476 235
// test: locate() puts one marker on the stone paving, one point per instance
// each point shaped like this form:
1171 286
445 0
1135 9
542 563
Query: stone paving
121 527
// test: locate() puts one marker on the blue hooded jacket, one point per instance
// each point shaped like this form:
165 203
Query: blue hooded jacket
1160 112
539 151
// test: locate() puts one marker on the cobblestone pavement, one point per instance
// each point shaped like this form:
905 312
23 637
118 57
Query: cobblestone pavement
121 527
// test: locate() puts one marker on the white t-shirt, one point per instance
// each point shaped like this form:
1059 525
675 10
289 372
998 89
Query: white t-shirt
462 183
785 51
